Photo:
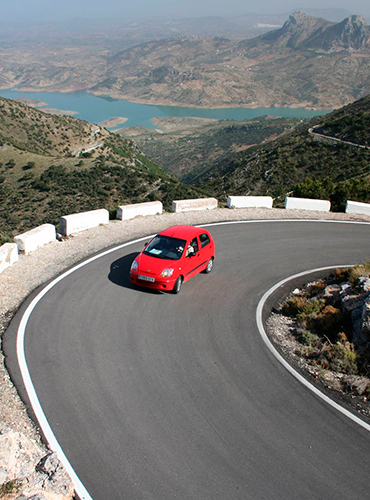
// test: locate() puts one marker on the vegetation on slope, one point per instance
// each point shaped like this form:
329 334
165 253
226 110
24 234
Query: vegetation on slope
351 123
325 312
35 131
39 186
300 165
191 146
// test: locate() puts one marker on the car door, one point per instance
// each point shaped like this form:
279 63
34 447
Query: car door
206 247
193 261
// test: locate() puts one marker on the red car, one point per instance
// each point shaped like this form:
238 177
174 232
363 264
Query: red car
173 256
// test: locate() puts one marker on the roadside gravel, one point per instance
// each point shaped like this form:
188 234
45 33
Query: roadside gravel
31 271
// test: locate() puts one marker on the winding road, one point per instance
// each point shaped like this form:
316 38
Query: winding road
162 397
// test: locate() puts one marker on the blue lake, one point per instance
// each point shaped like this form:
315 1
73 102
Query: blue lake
97 109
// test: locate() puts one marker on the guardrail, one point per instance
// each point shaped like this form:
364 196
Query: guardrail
127 212
355 207
249 202
35 238
8 255
70 224
194 205
307 204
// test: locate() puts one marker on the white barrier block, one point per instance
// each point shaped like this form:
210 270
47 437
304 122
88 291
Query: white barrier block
307 204
191 205
356 207
249 201
35 238
8 255
127 212
75 223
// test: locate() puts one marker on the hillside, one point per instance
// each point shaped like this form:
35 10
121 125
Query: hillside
186 147
299 164
40 179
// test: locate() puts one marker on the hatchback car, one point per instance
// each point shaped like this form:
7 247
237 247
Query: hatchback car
172 257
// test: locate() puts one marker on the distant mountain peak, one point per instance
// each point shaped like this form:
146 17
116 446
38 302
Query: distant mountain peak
303 32
351 34
296 30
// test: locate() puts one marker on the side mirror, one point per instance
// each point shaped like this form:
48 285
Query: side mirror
191 253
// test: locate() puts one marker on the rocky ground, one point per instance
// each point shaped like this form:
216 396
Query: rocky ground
40 472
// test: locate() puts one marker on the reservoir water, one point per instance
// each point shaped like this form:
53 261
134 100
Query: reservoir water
97 109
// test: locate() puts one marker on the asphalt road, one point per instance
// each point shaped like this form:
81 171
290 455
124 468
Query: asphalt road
160 396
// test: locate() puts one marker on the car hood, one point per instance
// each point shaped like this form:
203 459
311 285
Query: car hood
153 266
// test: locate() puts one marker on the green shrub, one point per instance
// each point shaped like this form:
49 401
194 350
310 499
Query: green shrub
358 271
339 357
302 307
308 338
10 487
330 322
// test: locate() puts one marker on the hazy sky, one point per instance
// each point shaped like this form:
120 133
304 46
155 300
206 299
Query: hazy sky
52 10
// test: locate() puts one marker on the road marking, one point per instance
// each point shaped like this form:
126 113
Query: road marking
286 365
47 431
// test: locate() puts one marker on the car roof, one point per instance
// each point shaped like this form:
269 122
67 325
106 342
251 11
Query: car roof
184 232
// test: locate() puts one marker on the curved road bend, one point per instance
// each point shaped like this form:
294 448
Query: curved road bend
163 397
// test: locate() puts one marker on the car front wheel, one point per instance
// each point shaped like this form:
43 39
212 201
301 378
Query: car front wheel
178 284
209 267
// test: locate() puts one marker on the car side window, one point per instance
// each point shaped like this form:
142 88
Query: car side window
204 240
193 246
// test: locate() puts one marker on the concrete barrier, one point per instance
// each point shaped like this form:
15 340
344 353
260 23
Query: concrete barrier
355 207
74 223
194 205
8 255
127 212
35 238
307 204
249 201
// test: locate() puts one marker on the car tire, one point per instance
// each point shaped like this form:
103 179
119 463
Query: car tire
178 284
209 266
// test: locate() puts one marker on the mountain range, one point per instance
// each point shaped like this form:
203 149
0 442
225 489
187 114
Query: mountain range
308 62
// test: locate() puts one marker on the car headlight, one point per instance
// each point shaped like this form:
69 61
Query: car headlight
166 273
134 265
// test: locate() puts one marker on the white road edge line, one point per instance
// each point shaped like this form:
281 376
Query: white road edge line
286 365
47 431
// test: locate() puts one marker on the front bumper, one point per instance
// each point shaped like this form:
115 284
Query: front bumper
158 284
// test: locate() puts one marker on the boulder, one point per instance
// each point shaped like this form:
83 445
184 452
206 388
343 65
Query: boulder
364 284
39 476
345 289
51 479
350 302
365 319
361 385
331 294
19 455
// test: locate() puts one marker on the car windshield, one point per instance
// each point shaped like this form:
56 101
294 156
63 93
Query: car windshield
165 247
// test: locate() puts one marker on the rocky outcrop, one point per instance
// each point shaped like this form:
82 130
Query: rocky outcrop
296 30
356 301
28 472
352 34
304 32
365 319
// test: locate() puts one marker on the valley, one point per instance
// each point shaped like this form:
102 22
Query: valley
187 147
308 62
